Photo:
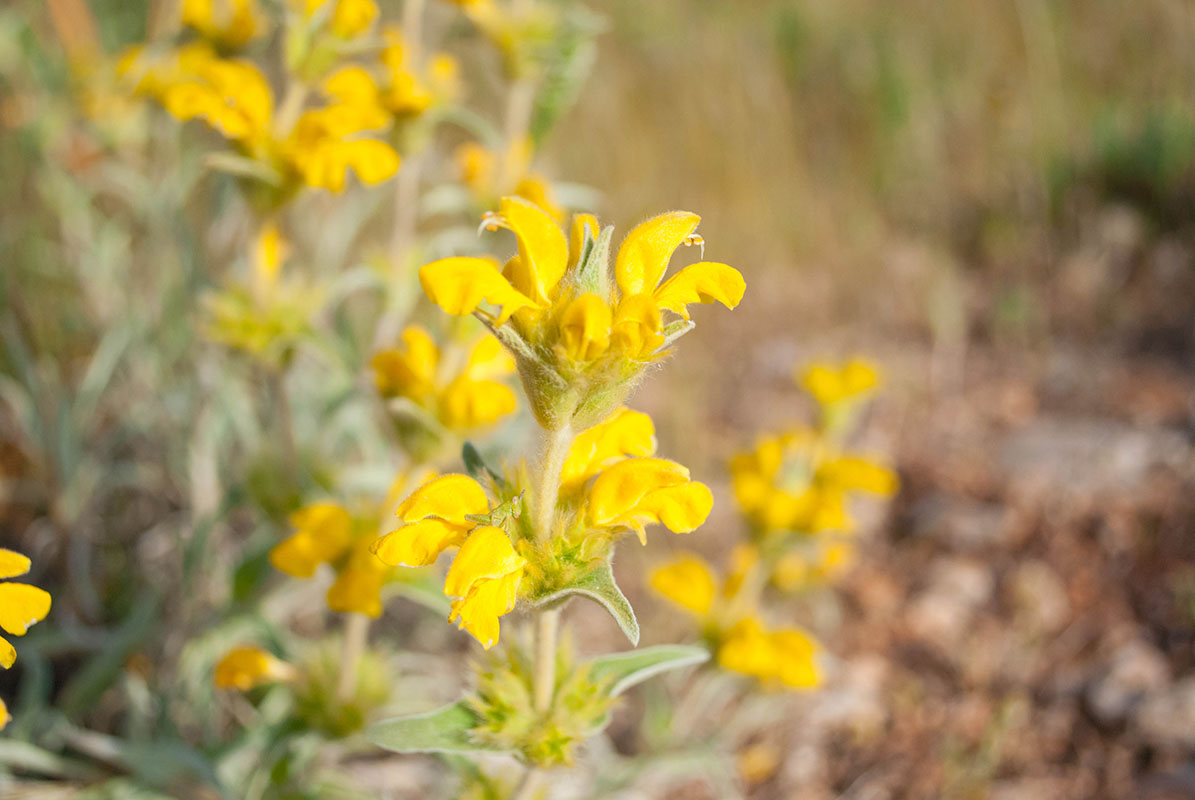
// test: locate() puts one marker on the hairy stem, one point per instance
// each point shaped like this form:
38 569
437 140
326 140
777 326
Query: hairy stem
356 634
547 626
547 486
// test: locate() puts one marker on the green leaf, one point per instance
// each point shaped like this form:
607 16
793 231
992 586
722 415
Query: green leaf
445 730
593 268
598 584
635 666
476 467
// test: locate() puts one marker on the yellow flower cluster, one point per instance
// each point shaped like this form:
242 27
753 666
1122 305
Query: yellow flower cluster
580 338
21 605
460 398
730 623
610 486
266 316
317 148
400 89
328 533
800 481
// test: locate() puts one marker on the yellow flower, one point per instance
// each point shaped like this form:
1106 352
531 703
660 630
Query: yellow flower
830 384
435 517
822 561
484 579
581 340
5 717
786 657
404 90
795 481
327 533
486 572
346 18
234 98
21 605
268 315
688 582
465 400
641 491
244 668
227 23
625 433
489 175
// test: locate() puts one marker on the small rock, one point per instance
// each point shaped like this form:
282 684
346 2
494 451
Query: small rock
1167 719
959 522
1040 599
1137 670
957 587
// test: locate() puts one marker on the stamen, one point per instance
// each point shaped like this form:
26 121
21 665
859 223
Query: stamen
492 221
695 239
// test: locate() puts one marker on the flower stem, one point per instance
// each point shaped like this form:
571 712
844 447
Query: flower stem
528 787
356 634
547 488
547 627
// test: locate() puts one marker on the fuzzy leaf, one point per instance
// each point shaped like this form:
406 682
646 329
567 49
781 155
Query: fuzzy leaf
598 584
635 666
445 730
592 273
476 467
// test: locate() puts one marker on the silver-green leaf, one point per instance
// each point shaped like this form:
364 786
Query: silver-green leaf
598 584
445 730
632 667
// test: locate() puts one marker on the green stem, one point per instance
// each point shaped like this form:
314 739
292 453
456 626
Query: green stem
547 629
547 488
356 635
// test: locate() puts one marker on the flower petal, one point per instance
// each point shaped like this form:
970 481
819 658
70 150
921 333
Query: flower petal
640 491
833 384
450 497
4 715
418 544
576 237
703 282
323 531
22 605
688 582
635 331
624 433
460 285
243 668
585 327
486 554
467 404
13 563
8 653
488 359
543 250
644 254
488 599
357 590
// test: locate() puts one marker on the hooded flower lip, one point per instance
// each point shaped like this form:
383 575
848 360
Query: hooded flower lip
640 491
435 517
533 285
244 668
484 578
21 605
786 656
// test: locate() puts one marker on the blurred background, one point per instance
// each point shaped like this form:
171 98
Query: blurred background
994 201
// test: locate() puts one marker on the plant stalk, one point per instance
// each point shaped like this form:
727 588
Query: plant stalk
547 488
356 634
